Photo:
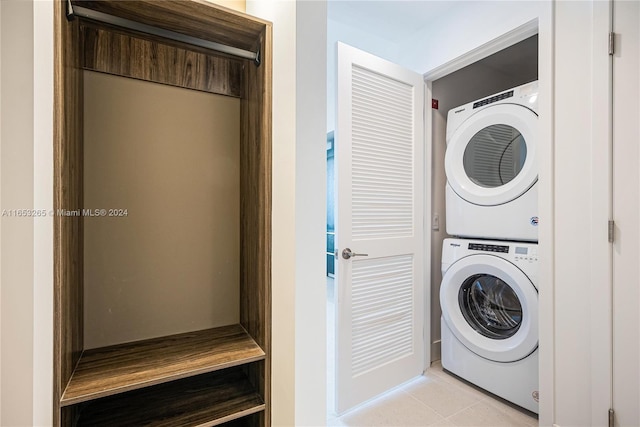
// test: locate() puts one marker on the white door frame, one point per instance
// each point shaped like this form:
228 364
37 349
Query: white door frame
543 26
626 210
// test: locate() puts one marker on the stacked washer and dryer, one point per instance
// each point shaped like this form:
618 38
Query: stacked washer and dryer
489 290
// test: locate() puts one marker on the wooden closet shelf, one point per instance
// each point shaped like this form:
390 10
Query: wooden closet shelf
206 400
115 369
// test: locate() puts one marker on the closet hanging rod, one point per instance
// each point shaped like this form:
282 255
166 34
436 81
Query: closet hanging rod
73 11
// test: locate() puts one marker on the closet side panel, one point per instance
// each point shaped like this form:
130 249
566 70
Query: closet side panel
255 184
68 263
162 163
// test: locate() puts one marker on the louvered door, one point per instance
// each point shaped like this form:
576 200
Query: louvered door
379 187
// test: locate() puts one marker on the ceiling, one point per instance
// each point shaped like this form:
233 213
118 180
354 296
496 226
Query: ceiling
392 20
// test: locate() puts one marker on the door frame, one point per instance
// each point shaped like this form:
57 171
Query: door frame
544 27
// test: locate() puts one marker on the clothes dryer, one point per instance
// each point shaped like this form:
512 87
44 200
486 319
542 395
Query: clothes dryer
491 166
489 301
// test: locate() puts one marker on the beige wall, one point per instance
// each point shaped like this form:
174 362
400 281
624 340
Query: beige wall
17 239
172 264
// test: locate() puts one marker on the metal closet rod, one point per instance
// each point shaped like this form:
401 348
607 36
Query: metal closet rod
73 11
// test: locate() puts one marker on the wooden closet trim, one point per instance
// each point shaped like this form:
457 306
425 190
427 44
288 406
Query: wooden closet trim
67 195
125 55
191 17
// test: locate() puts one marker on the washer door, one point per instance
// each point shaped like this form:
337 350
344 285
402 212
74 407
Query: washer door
491 306
491 158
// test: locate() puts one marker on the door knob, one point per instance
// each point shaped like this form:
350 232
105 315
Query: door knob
347 254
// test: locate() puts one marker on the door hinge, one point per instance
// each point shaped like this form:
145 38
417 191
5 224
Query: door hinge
611 417
612 43
611 230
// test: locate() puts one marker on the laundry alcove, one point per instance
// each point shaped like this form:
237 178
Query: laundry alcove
162 195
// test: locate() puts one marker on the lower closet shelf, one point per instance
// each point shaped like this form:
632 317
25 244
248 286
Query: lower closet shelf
204 400
120 368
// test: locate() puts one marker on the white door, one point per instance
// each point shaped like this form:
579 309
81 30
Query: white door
626 213
379 185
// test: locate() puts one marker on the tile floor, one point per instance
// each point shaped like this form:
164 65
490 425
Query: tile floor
435 399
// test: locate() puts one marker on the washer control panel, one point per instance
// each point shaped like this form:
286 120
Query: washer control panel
525 253
519 253
488 247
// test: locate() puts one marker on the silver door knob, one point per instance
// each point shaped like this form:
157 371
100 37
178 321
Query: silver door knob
347 254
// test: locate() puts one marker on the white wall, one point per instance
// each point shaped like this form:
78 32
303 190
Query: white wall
283 275
466 26
311 289
299 177
469 25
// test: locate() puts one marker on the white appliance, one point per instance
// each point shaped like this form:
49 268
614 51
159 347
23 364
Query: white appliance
491 166
489 301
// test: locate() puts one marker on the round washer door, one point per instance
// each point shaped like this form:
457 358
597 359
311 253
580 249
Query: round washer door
491 307
491 158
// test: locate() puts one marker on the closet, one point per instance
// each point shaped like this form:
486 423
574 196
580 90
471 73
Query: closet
512 66
162 199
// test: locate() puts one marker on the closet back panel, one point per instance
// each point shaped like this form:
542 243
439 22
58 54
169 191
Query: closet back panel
170 157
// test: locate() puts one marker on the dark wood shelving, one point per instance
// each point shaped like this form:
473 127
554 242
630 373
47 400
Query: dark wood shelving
115 369
204 400
220 376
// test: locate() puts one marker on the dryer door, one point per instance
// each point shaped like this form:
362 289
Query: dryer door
491 306
491 158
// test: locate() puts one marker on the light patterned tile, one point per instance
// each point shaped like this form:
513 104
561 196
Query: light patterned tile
398 409
435 366
445 398
443 423
518 414
438 373
484 414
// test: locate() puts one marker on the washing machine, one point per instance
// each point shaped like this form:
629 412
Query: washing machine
489 301
491 166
